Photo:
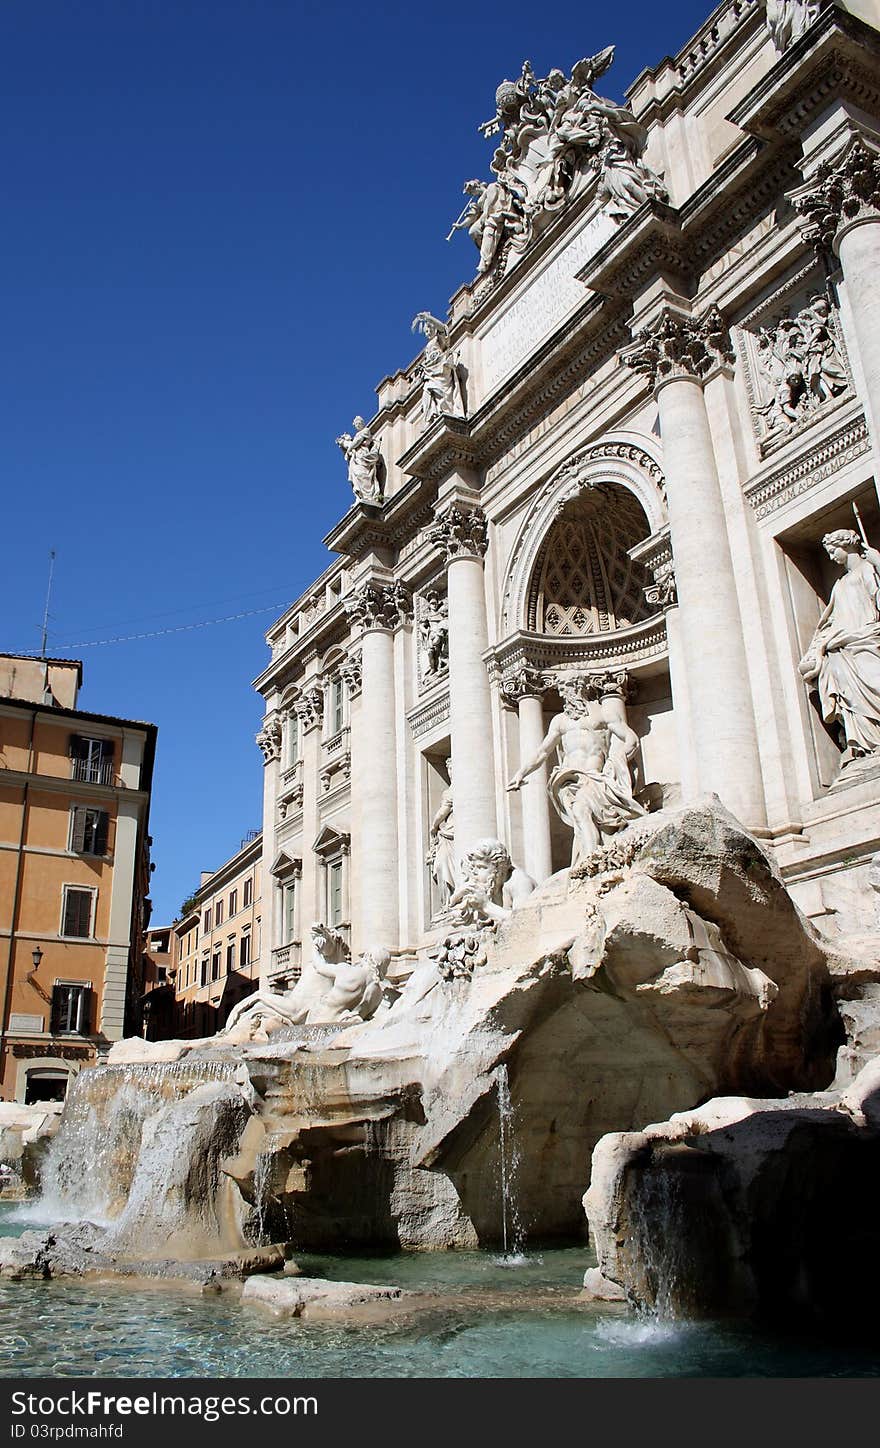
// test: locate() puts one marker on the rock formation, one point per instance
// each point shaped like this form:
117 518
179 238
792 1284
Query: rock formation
678 970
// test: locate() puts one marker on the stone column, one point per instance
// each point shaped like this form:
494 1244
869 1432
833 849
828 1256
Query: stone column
310 711
378 608
678 351
841 209
460 532
523 689
269 741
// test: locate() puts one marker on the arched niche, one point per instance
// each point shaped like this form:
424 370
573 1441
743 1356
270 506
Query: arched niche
583 579
606 498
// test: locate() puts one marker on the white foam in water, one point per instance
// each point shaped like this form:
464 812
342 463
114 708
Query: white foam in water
637 1332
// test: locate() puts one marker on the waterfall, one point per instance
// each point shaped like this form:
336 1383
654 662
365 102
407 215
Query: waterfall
91 1160
508 1151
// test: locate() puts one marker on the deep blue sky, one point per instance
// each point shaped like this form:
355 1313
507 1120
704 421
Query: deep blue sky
218 219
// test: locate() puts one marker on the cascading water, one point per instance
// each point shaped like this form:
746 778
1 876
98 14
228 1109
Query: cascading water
511 1227
91 1161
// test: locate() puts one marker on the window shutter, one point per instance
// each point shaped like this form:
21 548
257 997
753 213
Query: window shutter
83 1019
77 912
78 838
102 825
57 1019
75 746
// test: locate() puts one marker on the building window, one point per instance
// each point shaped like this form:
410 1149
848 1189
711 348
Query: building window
218 913
204 972
292 740
244 952
215 965
45 1085
233 903
230 957
70 1008
92 759
88 830
336 707
335 910
248 891
289 906
206 923
77 912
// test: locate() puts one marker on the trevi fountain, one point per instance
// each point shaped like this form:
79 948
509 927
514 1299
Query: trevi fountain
565 1057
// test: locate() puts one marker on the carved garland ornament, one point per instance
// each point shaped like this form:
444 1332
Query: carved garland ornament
677 345
843 190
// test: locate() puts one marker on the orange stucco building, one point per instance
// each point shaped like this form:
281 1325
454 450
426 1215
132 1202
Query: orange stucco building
74 876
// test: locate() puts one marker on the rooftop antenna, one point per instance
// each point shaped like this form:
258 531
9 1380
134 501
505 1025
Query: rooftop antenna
48 596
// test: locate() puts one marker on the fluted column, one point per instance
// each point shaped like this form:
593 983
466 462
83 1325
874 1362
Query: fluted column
460 532
678 352
269 741
378 608
309 709
841 210
523 689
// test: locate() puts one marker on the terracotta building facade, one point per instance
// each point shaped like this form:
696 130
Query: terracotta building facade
74 876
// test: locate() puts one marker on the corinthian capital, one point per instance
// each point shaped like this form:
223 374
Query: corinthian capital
677 345
379 606
460 532
521 683
269 739
309 708
844 190
352 673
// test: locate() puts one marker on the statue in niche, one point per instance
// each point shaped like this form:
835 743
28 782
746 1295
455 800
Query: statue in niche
434 633
491 886
557 136
441 851
440 371
843 660
591 784
788 19
364 458
801 361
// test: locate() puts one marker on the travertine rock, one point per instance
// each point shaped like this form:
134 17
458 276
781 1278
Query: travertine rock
305 1296
734 1208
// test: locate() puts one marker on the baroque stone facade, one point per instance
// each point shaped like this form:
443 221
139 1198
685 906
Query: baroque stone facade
613 539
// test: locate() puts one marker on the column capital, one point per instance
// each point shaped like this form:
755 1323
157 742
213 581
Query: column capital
379 606
676 344
309 708
843 192
352 672
459 532
519 683
577 685
269 738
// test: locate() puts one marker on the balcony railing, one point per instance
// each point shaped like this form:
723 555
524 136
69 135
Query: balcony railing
286 962
93 771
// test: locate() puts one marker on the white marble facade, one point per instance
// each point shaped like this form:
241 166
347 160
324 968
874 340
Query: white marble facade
615 464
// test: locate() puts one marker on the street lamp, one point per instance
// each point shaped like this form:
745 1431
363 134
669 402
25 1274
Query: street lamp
37 956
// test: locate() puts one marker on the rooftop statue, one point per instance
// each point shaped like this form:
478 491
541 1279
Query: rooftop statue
364 458
788 19
843 660
558 136
440 371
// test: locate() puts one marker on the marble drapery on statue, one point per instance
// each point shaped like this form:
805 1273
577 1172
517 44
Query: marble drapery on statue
362 453
440 371
843 660
441 851
591 785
